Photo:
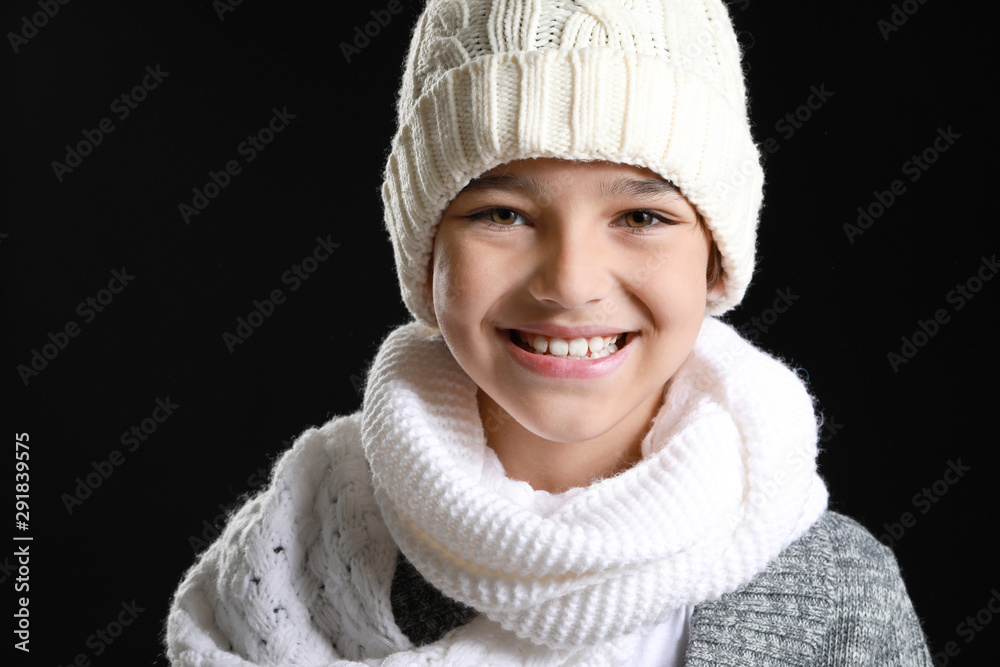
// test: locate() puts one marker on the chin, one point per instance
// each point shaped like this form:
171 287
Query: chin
573 426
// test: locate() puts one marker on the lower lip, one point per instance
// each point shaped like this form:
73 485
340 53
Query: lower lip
556 367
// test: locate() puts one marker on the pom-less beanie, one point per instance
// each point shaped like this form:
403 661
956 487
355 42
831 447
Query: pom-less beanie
648 83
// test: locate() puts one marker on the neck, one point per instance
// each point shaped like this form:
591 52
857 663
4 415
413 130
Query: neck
554 466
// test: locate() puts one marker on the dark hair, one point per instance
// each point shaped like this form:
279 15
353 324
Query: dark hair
715 271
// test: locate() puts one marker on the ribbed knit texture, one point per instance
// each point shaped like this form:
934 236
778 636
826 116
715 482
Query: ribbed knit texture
649 83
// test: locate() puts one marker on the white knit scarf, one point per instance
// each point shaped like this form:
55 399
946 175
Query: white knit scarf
302 573
728 480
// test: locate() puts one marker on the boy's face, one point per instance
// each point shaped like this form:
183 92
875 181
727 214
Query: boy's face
541 250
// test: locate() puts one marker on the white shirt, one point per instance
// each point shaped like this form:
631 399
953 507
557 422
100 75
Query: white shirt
666 643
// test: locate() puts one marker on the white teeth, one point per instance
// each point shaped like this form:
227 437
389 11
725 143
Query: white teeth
558 347
578 347
595 347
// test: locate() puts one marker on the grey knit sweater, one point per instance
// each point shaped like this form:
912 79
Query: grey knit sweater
833 598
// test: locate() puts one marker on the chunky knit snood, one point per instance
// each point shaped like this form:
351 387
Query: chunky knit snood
728 480
302 574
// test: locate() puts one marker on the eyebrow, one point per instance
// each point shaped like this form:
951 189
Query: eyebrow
639 187
507 183
622 186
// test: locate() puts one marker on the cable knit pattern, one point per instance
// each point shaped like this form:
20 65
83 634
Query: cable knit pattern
649 83
302 573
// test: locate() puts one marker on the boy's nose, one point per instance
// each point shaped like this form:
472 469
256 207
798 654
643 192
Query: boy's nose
571 271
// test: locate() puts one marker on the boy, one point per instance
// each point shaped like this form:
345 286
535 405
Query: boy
562 460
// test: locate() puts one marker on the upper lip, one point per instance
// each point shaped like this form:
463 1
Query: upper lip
569 332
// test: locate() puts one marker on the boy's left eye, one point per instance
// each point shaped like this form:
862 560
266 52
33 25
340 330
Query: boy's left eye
643 219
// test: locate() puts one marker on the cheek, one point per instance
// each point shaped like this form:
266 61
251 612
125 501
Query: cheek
455 286
683 266
676 293
677 299
440 276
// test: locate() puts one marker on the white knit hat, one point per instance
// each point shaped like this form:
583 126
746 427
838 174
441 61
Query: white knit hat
649 83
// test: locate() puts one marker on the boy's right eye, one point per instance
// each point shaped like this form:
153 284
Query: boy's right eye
499 217
502 216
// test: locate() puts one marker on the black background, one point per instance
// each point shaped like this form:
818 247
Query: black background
894 430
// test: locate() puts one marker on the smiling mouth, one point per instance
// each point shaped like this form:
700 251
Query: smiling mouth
576 349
